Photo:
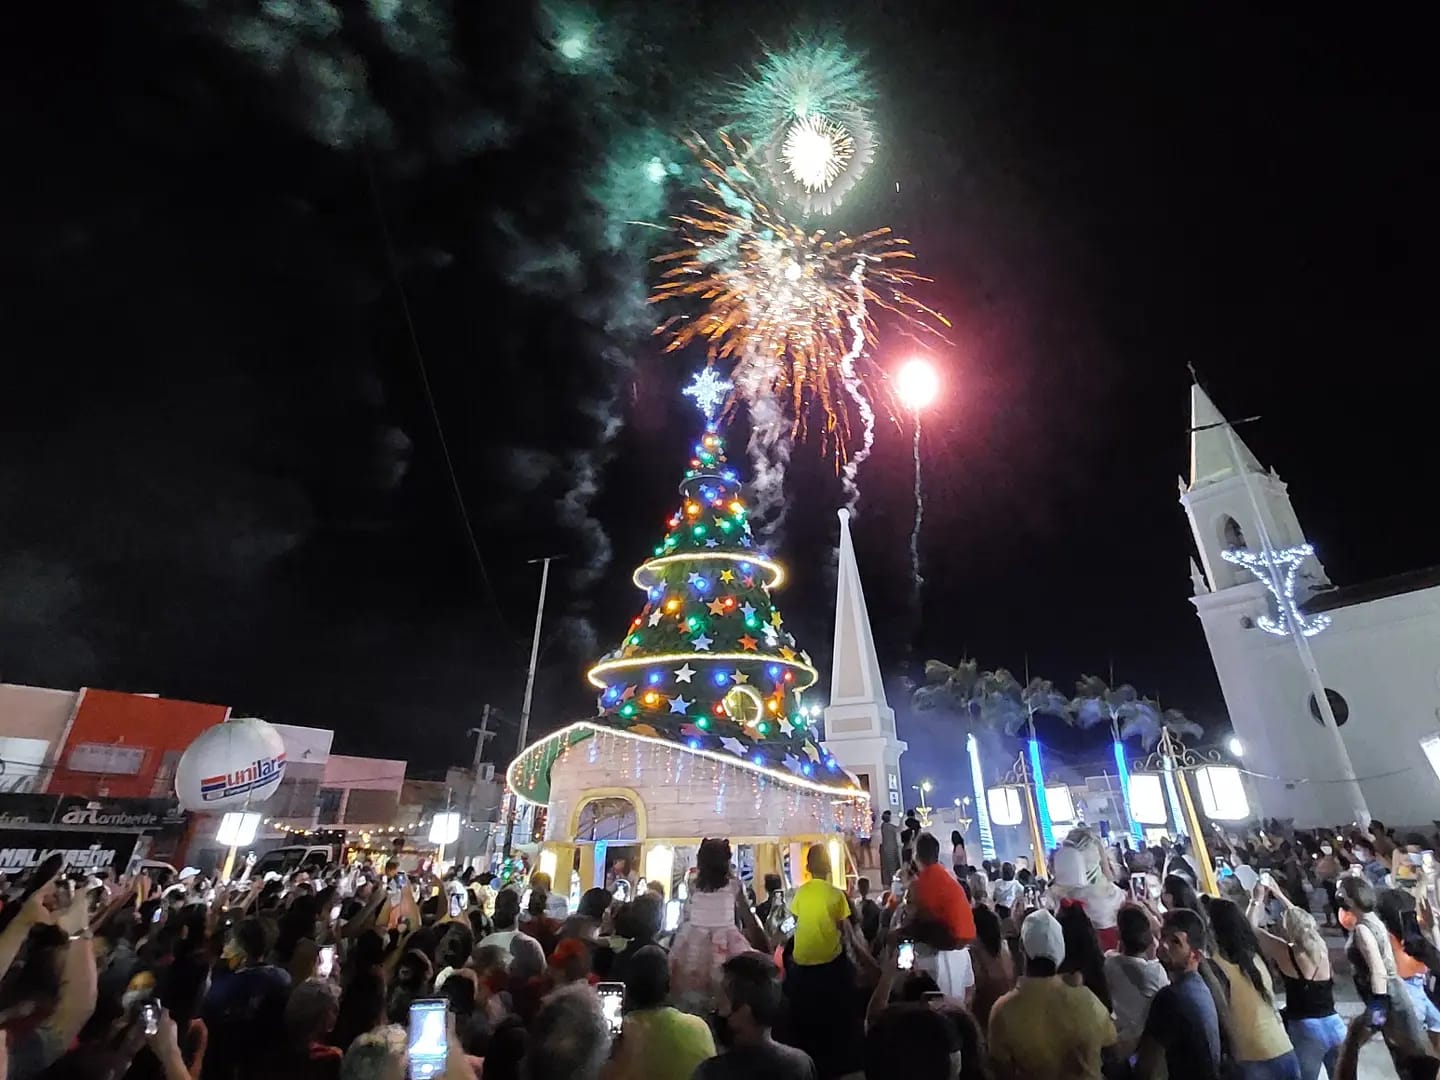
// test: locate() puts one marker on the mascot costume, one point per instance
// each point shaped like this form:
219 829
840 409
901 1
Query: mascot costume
1083 873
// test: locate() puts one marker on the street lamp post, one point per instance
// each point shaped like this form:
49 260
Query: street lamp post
1020 777
962 815
924 787
529 691
1173 760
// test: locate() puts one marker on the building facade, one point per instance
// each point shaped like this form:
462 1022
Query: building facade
1378 658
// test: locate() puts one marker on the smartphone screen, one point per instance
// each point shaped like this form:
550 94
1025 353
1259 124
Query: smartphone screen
150 1017
672 915
335 913
1379 1013
325 962
457 904
427 1038
787 926
1138 888
905 955
612 996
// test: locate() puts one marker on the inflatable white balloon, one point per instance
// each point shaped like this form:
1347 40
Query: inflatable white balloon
230 766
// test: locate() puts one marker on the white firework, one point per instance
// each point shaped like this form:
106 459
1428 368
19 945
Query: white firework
816 150
807 110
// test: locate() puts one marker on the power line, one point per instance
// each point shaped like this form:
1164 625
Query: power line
394 268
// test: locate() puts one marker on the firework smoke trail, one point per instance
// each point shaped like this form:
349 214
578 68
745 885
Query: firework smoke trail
852 387
771 441
919 516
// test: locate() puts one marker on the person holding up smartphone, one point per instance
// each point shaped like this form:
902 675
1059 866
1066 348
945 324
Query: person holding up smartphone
43 1044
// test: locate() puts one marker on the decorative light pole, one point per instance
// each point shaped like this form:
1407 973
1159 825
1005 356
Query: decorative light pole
977 785
1021 777
1173 759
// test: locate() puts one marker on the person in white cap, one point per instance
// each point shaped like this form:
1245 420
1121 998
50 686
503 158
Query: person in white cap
1045 1028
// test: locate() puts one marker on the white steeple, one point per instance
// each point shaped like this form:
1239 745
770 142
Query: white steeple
859 723
1218 500
1210 457
855 669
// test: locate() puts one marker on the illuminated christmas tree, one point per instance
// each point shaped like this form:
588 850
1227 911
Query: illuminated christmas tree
708 663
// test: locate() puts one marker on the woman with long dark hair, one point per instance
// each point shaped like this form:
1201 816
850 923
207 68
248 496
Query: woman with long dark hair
1177 892
1084 963
1262 1050
992 964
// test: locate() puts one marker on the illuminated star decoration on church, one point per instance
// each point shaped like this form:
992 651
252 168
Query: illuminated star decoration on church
1286 565
709 389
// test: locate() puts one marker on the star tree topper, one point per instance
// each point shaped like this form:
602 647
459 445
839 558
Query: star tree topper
709 389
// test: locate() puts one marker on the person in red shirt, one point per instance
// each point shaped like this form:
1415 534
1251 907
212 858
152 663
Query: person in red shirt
941 916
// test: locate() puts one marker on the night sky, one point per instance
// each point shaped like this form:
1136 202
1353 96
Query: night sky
220 478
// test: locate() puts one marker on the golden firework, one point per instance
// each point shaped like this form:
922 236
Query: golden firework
789 312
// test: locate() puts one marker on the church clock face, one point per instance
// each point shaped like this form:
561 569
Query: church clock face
743 705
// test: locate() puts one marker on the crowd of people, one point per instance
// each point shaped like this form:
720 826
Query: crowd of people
946 971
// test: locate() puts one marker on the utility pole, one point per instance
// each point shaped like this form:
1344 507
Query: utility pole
481 733
529 687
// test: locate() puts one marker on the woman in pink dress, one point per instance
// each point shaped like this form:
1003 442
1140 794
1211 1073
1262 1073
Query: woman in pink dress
709 932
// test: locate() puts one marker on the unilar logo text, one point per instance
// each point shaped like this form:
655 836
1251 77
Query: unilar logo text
258 774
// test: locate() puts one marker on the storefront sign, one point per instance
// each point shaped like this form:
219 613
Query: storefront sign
118 813
112 759
84 852
79 811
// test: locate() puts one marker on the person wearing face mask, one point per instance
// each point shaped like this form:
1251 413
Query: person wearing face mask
747 1006
1375 871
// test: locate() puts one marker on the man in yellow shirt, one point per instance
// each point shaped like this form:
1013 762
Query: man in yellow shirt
656 1041
1046 1029
825 1009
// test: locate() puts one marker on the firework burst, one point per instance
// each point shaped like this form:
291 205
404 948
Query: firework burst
808 110
788 312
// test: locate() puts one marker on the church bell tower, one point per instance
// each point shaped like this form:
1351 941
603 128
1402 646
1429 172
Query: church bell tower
859 723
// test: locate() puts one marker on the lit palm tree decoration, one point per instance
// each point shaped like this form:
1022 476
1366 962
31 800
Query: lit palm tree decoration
951 690
994 701
1130 717
1013 708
